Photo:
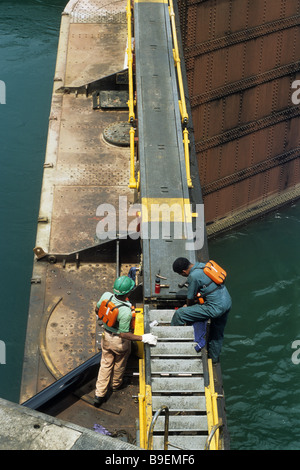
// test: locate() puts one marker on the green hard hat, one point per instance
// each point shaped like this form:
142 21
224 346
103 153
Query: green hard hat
123 285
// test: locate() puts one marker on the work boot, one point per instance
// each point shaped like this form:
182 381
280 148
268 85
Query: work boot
98 401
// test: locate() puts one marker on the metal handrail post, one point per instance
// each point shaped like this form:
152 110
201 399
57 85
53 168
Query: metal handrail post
154 419
213 431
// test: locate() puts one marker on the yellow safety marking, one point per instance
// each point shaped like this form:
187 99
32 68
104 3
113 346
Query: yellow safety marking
166 210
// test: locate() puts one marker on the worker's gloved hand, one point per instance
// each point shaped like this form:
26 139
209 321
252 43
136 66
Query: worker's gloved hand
149 339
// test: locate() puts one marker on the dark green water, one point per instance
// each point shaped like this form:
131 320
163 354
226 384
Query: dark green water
28 45
260 379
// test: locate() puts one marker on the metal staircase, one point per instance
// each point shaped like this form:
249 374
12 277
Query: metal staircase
177 381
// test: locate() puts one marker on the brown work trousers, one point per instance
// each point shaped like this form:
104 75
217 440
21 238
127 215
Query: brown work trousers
115 353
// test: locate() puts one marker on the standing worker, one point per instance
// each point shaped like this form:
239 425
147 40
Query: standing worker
116 339
216 306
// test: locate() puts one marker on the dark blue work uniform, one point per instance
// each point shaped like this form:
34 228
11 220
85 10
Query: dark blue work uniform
216 308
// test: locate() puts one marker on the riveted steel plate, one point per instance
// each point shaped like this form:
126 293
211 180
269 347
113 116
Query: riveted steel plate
75 221
88 43
70 332
243 115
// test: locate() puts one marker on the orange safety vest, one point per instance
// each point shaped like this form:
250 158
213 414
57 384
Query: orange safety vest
108 313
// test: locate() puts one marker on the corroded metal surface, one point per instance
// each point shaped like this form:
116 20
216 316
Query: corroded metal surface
82 171
241 59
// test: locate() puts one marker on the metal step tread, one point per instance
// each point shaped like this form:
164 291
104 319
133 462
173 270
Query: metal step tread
177 384
174 349
180 402
181 442
173 332
182 423
162 316
176 366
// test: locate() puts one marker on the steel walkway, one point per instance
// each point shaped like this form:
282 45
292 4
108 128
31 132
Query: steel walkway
163 178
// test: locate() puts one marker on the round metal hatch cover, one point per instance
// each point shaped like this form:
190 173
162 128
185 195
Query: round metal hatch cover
117 134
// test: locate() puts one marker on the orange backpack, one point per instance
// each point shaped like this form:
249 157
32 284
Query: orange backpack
215 272
108 312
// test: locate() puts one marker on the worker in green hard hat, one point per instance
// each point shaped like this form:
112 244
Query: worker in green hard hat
116 339
123 285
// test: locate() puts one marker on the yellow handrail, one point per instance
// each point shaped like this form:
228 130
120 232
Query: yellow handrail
187 157
212 411
145 395
182 105
130 102
181 102
132 179
142 408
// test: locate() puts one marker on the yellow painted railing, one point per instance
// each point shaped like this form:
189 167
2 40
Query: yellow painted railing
214 423
130 63
145 395
133 184
182 102
132 180
187 157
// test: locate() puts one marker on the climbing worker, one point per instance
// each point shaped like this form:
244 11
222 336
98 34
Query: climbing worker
116 339
216 306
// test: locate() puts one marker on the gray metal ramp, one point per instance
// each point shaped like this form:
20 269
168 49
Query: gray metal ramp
164 192
177 382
